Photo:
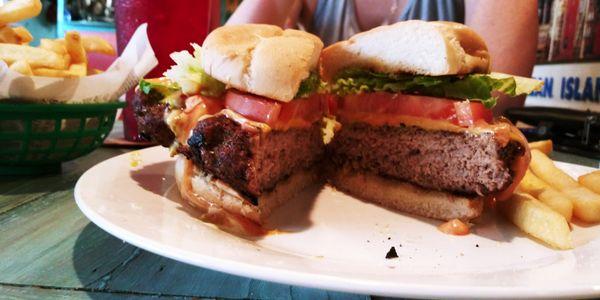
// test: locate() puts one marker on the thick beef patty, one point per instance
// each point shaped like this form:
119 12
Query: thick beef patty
252 162
149 114
462 163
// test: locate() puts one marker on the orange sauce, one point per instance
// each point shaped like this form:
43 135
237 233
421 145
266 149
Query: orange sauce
182 122
245 123
501 129
454 227
519 166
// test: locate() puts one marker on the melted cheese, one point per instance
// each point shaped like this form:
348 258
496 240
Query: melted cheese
246 123
503 130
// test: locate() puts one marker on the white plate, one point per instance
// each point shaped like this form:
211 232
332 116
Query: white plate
337 242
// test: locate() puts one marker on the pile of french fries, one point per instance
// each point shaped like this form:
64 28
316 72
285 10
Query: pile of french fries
548 199
65 57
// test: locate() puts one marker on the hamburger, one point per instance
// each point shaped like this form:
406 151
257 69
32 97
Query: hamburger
243 116
417 132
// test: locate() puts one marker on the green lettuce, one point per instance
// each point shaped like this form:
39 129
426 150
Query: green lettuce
190 75
309 86
161 90
477 87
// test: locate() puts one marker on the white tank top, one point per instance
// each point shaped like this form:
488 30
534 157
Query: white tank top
335 20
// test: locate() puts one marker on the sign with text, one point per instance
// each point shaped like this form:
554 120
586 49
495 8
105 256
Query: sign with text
575 85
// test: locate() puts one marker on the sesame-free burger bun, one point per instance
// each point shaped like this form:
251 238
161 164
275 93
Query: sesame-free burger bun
261 59
415 47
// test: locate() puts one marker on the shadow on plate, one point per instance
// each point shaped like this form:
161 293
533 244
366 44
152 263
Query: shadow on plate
293 216
492 226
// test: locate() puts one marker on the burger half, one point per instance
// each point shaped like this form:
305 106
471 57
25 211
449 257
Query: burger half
243 115
417 134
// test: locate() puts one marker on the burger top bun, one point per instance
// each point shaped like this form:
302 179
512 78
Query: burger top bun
261 59
416 47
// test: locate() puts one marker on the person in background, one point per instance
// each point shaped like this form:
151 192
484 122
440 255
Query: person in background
509 27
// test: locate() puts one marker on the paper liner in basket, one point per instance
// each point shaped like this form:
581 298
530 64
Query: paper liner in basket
136 61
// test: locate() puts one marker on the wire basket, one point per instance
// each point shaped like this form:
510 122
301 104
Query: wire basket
37 138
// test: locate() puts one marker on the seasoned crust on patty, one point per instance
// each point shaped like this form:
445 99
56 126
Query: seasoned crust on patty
149 114
252 162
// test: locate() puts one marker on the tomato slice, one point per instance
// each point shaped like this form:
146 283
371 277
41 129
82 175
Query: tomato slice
195 107
296 113
253 107
211 105
329 104
381 103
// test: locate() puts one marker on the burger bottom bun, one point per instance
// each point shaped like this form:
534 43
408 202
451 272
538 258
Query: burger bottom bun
222 205
405 197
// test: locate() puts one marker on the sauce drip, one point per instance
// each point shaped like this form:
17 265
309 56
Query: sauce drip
454 227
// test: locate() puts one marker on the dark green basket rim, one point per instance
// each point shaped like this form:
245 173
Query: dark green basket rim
26 107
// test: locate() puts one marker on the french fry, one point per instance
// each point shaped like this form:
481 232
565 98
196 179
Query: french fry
558 202
536 187
24 35
544 168
538 220
54 46
591 181
586 204
57 47
96 44
51 72
22 67
75 70
8 35
78 70
531 184
75 48
17 35
35 57
16 10
545 146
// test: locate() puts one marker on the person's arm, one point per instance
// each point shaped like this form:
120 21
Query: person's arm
510 29
283 13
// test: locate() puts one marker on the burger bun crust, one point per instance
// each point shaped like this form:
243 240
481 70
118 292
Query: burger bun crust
261 59
414 47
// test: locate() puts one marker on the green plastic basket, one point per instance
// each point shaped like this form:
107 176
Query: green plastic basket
37 138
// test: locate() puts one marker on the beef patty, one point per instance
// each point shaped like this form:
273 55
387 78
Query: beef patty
252 162
462 163
149 114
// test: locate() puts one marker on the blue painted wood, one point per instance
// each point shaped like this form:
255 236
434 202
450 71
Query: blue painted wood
48 249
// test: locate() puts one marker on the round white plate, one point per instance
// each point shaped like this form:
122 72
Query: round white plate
336 242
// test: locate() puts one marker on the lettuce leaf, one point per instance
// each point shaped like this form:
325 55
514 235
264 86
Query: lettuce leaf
161 85
309 86
478 87
161 90
191 77
523 86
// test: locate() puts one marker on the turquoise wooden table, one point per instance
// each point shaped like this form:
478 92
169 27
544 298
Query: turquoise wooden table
49 249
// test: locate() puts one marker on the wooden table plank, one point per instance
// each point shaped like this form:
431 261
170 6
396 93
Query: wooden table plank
50 250
18 190
11 292
40 240
147 273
